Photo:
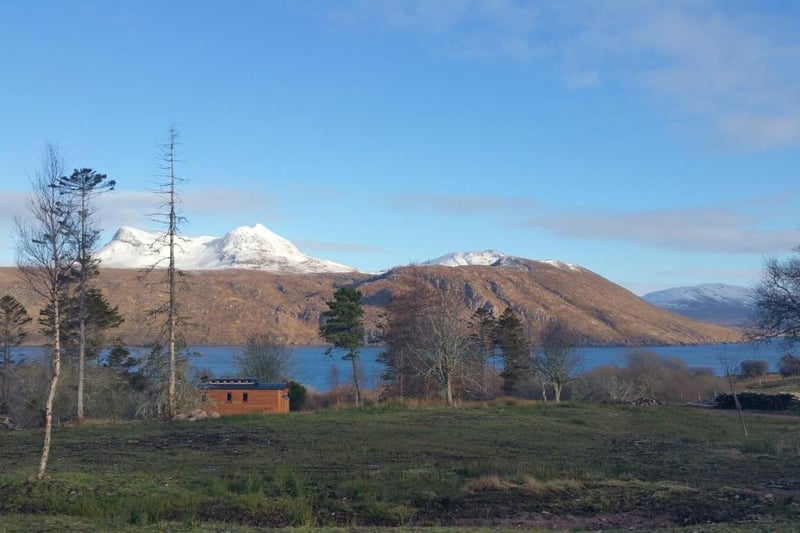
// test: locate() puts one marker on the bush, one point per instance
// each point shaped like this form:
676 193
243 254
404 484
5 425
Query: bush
753 368
297 396
789 366
647 375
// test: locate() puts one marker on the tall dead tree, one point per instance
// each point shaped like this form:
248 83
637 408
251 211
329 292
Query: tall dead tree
45 255
170 200
82 187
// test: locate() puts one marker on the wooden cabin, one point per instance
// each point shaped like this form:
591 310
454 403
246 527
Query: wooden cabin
236 396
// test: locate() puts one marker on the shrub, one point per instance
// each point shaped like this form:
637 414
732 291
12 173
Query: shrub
753 369
297 396
789 366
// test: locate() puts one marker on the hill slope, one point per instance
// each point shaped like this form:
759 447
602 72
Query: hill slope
224 306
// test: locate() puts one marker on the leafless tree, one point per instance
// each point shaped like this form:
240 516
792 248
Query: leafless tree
46 254
439 343
168 215
777 298
729 366
265 358
555 359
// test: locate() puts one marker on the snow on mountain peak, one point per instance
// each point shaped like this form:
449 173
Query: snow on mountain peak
561 264
255 248
484 258
489 258
719 292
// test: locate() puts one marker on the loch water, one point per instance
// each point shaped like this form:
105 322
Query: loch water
314 369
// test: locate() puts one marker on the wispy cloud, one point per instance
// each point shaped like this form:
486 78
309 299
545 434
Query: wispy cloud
140 208
734 70
471 28
461 204
688 229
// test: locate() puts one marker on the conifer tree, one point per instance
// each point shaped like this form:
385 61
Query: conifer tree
13 317
484 334
84 185
343 327
511 339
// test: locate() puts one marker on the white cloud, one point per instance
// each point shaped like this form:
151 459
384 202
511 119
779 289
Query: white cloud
688 229
139 209
734 68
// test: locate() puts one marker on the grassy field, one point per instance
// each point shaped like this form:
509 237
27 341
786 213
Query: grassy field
499 467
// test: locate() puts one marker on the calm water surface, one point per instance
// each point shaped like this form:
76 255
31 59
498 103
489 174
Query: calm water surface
316 370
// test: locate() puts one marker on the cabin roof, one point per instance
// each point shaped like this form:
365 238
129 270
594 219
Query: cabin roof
238 383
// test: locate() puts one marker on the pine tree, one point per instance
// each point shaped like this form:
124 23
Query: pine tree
88 337
511 339
343 327
83 186
13 317
484 334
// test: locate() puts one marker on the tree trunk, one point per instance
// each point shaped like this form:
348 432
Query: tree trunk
171 318
354 360
82 311
557 391
6 375
81 364
448 391
51 391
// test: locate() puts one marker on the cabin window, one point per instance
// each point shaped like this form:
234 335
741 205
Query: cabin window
244 396
228 397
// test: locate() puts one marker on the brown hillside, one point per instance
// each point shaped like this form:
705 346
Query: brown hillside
224 306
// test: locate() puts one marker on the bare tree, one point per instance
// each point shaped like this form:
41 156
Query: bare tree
438 341
555 359
729 365
777 298
265 358
168 215
83 186
45 256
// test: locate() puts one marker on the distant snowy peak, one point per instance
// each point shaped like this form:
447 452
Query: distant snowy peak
489 258
718 303
718 292
255 248
484 258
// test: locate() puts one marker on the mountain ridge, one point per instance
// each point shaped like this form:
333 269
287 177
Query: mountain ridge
716 303
255 247
225 306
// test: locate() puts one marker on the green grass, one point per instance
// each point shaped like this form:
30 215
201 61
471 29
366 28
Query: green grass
578 466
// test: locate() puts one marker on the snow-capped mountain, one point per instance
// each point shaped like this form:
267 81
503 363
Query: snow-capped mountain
488 258
728 305
255 248
484 258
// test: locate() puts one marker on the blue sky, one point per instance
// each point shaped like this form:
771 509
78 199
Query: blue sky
655 143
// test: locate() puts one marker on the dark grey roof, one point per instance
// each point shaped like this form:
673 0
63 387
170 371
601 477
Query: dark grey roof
238 383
